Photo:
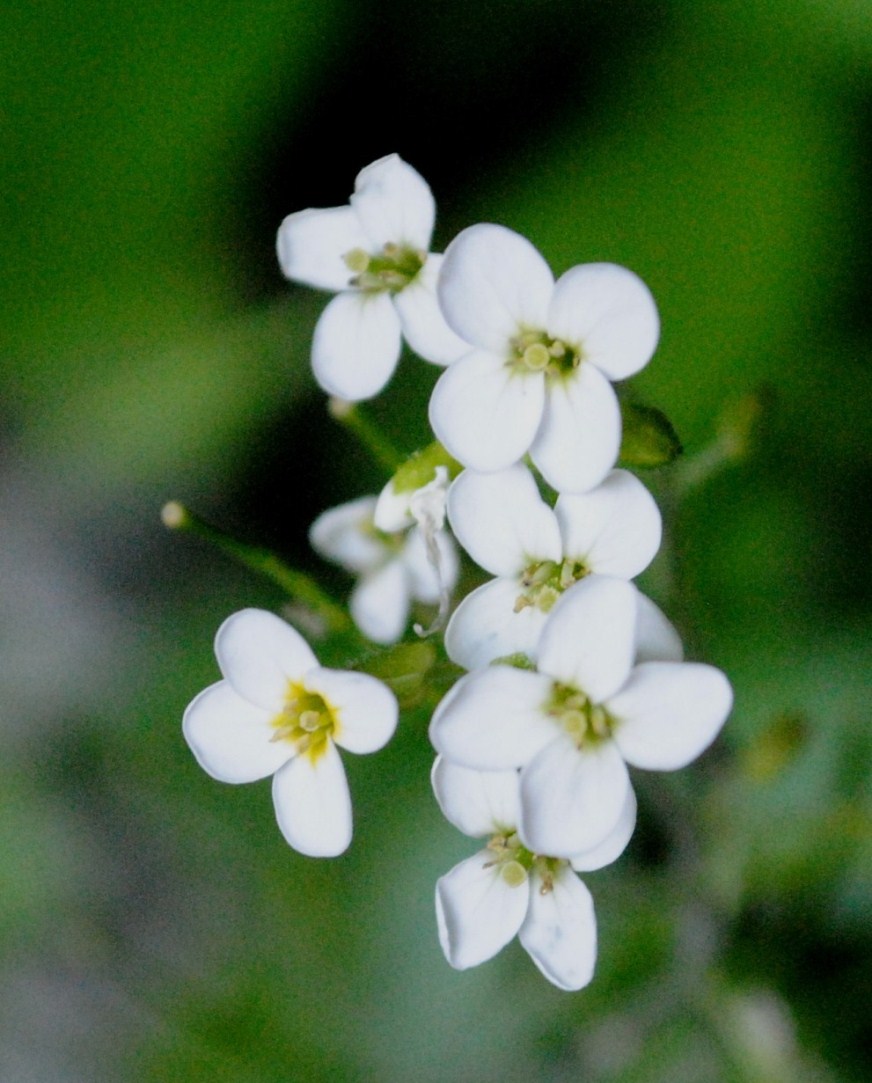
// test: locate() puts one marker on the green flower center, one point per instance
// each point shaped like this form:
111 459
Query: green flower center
515 862
587 723
534 351
543 583
307 720
391 269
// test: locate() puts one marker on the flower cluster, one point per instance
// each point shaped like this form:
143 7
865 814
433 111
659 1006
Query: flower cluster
567 675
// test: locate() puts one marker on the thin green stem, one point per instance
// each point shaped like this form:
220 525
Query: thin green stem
298 585
368 433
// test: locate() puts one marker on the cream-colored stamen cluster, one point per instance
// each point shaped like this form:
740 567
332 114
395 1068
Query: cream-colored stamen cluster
307 721
585 722
534 351
516 862
544 582
393 269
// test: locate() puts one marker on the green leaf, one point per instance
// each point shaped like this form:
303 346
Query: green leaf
648 439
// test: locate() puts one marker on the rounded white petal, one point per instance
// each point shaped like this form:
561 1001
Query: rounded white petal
571 799
394 203
424 326
344 535
366 710
356 345
589 639
478 803
493 719
501 520
493 284
559 932
578 440
669 712
485 626
230 737
379 604
393 511
311 245
485 414
609 313
614 844
615 529
477 912
259 653
656 637
313 805
424 584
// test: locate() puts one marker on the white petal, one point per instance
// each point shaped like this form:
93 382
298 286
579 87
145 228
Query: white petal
356 345
344 535
559 931
313 806
259 653
494 283
485 414
231 737
311 245
656 638
609 312
477 912
580 434
393 512
424 326
485 626
493 719
394 203
424 583
379 604
477 802
571 799
590 636
615 528
669 712
614 844
501 520
366 710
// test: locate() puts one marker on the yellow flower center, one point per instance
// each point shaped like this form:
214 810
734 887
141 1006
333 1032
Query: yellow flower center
391 269
543 583
515 862
587 723
535 351
306 720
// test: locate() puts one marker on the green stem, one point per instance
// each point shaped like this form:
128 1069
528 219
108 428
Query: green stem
298 585
368 433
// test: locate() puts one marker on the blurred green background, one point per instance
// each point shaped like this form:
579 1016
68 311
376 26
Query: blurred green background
153 924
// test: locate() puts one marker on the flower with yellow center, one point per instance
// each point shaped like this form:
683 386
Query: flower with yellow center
542 355
277 712
507 889
373 253
537 553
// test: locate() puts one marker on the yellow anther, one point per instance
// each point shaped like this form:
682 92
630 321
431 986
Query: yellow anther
536 356
356 260
513 873
310 721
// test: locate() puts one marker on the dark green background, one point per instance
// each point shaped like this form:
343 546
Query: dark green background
154 925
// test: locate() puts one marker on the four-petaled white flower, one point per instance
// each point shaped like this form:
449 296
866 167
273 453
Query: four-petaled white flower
395 569
537 552
374 254
507 889
277 712
573 726
537 377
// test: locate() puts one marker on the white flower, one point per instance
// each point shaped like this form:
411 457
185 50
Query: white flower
425 505
537 378
573 726
537 552
374 253
506 889
395 569
277 712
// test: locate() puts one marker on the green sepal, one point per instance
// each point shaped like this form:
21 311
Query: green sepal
517 661
420 468
403 668
649 438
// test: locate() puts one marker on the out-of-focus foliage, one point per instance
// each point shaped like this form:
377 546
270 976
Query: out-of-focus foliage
154 925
